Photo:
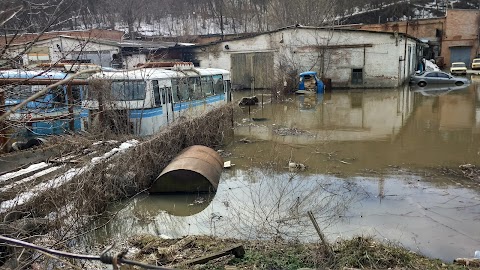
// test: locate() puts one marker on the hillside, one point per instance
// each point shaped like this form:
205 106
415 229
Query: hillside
194 17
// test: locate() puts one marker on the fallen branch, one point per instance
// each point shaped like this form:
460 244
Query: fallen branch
238 251
320 234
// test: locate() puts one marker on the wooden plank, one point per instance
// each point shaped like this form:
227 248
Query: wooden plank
238 251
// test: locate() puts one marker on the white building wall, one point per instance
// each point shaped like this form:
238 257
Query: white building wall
61 48
305 49
133 60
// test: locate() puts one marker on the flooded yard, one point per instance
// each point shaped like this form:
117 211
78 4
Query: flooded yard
365 162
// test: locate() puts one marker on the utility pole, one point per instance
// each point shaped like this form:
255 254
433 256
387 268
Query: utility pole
3 126
221 17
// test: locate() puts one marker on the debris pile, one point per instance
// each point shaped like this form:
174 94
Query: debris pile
470 171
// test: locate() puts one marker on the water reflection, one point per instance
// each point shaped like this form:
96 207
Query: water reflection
438 90
368 156
344 116
364 130
438 222
249 204
163 215
175 205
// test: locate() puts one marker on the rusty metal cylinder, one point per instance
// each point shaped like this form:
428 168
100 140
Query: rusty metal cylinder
196 169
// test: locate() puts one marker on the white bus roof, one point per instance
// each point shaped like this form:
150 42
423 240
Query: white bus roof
159 73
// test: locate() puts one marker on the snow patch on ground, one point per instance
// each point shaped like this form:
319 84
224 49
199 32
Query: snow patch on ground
21 172
30 178
38 189
124 146
60 180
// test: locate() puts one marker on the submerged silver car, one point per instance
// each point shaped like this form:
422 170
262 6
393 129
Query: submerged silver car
436 77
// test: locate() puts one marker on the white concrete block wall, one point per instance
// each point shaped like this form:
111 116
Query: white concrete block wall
299 47
67 47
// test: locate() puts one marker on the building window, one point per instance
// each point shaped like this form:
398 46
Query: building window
357 76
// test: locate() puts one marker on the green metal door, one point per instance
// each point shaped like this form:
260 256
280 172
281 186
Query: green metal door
252 70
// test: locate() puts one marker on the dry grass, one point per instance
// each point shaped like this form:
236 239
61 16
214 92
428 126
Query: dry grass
357 253
95 186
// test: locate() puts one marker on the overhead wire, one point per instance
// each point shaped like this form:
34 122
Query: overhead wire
104 257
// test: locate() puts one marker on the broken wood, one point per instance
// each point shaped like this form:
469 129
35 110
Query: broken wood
57 161
238 251
328 248
467 262
181 244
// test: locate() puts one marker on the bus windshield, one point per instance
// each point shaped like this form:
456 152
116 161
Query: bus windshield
128 90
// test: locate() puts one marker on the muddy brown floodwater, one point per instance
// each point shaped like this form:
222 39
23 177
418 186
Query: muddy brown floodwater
366 162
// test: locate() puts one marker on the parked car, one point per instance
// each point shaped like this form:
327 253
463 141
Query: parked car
476 63
310 83
425 78
458 68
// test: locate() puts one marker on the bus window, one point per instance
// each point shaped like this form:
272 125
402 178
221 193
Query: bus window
194 89
166 96
128 90
156 94
87 94
76 94
175 90
207 85
58 96
180 89
20 91
217 84
183 93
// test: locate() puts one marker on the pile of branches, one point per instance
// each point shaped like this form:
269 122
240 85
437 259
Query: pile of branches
469 171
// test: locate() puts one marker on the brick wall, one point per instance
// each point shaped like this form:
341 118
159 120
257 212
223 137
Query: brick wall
461 29
427 28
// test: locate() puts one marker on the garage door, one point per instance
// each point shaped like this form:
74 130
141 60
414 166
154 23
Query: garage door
460 54
252 70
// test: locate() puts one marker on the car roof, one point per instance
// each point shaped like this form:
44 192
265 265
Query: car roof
312 73
435 71
458 63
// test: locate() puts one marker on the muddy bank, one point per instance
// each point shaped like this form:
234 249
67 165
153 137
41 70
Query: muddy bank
465 171
356 253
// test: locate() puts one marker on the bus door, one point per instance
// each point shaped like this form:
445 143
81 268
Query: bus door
167 101
228 90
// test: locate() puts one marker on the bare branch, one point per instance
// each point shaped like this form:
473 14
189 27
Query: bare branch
43 91
8 14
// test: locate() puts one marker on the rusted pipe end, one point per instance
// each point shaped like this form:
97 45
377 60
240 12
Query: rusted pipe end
196 169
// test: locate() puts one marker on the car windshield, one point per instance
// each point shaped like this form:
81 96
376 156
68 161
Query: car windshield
476 60
458 65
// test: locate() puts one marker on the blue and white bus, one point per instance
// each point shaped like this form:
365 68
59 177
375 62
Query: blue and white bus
54 113
149 98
